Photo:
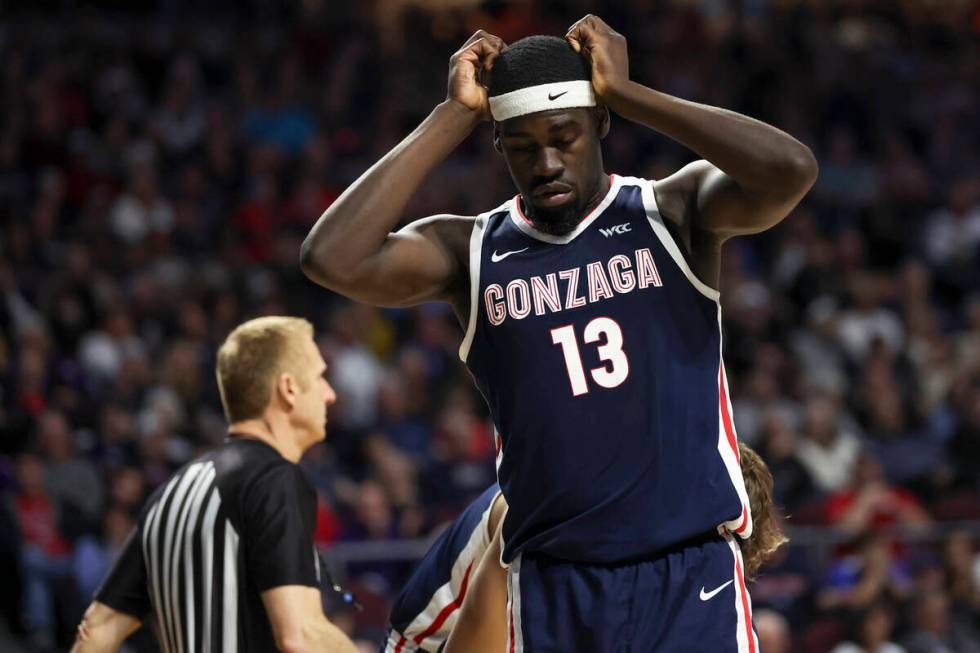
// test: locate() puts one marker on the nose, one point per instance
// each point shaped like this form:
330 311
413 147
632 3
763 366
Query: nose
548 164
330 397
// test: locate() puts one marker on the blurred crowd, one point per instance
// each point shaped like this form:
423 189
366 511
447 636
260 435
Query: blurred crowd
160 167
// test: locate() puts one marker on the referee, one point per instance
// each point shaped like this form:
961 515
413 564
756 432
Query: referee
222 558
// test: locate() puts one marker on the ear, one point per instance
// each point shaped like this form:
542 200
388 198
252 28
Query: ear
495 136
602 120
287 389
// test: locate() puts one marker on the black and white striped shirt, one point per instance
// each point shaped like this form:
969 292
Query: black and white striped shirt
226 527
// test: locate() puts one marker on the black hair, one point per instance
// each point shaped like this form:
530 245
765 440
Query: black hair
536 60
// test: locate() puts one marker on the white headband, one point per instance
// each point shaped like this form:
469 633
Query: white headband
544 97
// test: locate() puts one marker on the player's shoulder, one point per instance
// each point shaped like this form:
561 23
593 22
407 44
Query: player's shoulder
676 194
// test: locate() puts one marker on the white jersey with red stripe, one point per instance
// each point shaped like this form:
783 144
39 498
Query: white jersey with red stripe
600 356
425 612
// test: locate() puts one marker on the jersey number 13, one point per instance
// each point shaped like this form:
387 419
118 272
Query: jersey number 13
607 376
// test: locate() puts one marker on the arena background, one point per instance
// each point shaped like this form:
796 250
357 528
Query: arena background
160 166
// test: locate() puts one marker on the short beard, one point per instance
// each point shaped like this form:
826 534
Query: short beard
559 221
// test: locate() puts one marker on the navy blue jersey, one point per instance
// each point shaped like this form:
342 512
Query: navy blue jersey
424 613
599 355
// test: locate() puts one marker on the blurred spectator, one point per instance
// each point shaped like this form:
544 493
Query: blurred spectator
870 502
792 485
46 554
772 630
961 564
141 211
71 480
867 321
964 446
93 556
871 630
952 233
828 451
785 584
935 632
859 580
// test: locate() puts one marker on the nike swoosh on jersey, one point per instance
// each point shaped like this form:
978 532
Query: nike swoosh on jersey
707 596
497 258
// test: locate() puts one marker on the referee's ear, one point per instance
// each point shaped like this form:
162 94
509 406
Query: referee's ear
287 388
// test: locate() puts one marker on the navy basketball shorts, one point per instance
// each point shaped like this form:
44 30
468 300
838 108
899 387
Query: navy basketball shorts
690 600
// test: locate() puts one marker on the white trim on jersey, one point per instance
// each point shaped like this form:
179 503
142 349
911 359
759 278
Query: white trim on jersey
745 633
515 636
727 449
476 254
663 235
542 97
521 221
464 568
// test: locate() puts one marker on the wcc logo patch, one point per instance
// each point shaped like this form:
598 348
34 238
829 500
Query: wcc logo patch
618 230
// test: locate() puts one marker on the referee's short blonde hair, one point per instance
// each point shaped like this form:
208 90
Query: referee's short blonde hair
253 356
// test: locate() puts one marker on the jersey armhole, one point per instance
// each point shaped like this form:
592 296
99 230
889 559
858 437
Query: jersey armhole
476 253
663 235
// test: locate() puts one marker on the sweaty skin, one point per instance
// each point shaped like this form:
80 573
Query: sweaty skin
751 176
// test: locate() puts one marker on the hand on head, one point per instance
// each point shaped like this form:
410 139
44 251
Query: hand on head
475 57
605 49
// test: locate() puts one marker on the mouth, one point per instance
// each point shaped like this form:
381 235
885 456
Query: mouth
551 194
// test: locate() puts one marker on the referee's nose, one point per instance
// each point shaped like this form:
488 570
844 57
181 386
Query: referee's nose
329 397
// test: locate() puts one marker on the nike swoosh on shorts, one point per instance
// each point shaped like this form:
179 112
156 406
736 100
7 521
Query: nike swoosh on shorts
707 596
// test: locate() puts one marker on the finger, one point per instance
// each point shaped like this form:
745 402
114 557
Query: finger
477 35
484 50
492 56
481 34
498 47
598 25
581 35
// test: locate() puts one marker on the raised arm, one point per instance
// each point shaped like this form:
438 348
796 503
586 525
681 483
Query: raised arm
351 248
752 174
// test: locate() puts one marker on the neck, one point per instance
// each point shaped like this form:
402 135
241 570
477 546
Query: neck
276 432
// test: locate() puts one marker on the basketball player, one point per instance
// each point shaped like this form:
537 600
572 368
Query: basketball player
424 613
592 328
481 625
223 556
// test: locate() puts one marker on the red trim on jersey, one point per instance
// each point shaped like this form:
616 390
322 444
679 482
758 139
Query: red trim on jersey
512 625
400 644
745 521
726 418
745 605
446 611
520 211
